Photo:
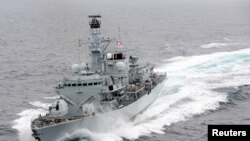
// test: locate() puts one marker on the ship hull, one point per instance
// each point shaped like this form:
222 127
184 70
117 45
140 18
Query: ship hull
96 123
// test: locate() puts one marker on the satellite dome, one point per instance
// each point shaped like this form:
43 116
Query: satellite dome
75 68
120 66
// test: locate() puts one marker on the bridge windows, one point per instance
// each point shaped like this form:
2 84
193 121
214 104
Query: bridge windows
83 84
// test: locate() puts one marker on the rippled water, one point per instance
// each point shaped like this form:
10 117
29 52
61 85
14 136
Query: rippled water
39 43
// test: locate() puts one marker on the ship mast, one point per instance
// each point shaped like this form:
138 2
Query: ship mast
95 43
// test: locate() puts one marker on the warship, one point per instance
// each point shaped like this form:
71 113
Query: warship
110 86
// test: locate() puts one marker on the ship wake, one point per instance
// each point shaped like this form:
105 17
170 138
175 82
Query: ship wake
189 91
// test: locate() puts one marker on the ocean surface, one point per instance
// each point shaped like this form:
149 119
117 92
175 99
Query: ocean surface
204 46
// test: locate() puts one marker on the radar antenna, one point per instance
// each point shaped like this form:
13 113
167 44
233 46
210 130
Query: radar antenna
94 23
95 16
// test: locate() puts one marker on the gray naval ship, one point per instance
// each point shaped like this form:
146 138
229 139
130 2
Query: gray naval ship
111 86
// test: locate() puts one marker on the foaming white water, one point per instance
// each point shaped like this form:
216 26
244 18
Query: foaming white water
187 92
23 123
184 64
40 104
214 45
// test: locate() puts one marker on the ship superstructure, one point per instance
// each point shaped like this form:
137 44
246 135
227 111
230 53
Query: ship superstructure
111 84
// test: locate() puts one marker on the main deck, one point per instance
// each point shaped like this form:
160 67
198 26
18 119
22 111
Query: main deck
138 92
